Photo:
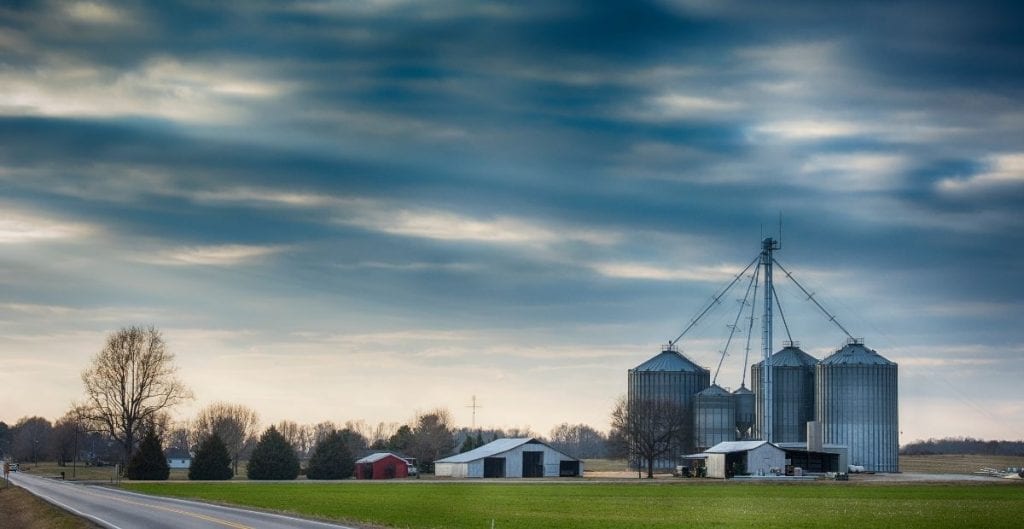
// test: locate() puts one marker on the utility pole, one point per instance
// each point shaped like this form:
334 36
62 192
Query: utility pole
474 406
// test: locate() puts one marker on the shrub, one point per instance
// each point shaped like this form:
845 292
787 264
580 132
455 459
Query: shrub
273 458
331 459
212 460
149 461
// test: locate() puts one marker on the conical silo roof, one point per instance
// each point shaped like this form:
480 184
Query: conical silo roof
669 361
743 390
856 353
791 356
714 391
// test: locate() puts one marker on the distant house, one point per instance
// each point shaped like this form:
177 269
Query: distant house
382 465
510 458
178 458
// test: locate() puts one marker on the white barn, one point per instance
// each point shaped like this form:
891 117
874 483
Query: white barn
510 458
749 457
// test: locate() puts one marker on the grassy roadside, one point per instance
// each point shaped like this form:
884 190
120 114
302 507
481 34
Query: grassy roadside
624 505
24 511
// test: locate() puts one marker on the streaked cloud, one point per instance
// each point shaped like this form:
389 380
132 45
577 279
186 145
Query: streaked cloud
212 255
1004 171
642 271
23 227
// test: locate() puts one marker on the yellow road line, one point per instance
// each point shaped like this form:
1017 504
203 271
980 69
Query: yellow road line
221 521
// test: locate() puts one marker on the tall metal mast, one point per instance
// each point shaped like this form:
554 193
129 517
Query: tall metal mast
768 245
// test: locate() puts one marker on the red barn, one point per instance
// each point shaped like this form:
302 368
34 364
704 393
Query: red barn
382 465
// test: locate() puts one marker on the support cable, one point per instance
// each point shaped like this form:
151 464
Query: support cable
750 329
714 301
778 303
732 328
810 296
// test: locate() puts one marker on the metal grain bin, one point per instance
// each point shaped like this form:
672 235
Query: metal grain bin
670 376
792 393
744 400
714 417
857 405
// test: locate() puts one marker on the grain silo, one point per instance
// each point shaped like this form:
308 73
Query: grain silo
856 404
714 417
792 394
744 401
673 377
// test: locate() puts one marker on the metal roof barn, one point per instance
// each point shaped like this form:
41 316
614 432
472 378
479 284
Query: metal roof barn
510 458
856 404
382 465
743 457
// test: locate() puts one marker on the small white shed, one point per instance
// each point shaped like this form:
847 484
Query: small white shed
178 458
747 457
510 458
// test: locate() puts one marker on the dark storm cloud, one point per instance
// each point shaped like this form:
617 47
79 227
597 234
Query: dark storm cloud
514 164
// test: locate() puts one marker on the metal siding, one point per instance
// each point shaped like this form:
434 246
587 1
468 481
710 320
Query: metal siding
714 419
857 405
793 401
679 387
762 459
745 404
715 464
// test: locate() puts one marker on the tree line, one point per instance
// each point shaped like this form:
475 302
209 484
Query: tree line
131 386
964 445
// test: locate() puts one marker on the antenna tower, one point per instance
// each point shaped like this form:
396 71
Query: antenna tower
768 245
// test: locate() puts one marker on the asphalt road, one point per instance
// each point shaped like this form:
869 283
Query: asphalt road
118 509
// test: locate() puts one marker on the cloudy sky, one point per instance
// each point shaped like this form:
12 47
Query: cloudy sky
354 210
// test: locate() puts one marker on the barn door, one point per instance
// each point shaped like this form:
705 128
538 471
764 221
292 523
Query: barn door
533 464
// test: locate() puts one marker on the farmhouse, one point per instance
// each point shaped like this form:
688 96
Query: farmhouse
510 458
382 465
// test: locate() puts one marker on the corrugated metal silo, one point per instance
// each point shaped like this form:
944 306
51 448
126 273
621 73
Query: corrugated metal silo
743 398
673 377
857 405
792 394
714 417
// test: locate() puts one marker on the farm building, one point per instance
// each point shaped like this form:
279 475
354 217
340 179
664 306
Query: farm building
382 465
178 458
744 457
510 458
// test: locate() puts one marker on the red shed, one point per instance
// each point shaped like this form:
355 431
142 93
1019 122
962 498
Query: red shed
382 465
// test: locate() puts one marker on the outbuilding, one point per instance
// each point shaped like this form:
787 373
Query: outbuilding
382 465
178 458
510 458
724 460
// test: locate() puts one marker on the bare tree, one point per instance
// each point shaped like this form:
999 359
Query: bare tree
300 436
579 440
31 439
651 428
235 424
432 437
67 432
129 382
323 429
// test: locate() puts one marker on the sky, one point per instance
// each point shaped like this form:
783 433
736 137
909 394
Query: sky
341 210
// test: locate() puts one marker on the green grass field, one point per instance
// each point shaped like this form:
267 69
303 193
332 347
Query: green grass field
625 505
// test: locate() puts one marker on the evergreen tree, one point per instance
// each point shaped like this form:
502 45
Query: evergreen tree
331 459
479 439
468 444
212 460
273 458
149 461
